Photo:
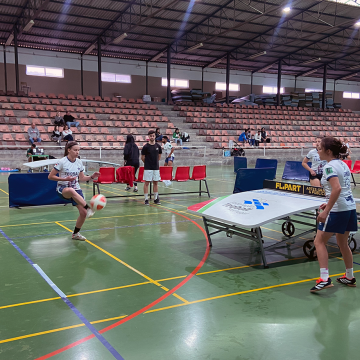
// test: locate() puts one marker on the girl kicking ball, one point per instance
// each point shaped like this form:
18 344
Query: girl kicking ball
338 215
71 171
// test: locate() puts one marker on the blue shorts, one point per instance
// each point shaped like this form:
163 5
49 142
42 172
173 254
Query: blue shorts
171 158
59 192
340 222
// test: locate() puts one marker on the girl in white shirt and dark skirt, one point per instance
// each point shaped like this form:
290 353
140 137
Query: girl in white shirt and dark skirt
338 214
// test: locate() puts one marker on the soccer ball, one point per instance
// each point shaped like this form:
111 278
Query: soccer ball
98 202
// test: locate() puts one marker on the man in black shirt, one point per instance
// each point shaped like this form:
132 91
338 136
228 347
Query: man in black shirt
69 120
150 156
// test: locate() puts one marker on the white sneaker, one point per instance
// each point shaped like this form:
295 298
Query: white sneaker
78 236
89 213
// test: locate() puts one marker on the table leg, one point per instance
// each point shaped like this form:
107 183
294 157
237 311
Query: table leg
259 237
207 231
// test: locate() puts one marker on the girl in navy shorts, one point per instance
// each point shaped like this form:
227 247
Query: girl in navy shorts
338 214
71 171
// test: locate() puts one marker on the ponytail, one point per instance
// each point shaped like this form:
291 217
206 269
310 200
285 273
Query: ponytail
337 148
68 146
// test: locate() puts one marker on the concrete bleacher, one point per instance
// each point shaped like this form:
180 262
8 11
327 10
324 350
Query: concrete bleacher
103 122
288 127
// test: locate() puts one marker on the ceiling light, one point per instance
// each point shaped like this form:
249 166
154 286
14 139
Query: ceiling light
29 25
265 68
309 72
215 63
354 67
158 56
89 49
311 61
10 39
195 47
257 55
357 23
120 38
348 76
286 9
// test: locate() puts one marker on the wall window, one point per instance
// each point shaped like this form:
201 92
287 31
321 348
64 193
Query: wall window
181 83
222 86
110 77
272 90
350 95
44 71
313 90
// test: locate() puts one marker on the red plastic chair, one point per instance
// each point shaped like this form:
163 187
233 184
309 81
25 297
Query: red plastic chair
107 176
122 175
355 170
182 173
199 174
348 163
166 173
140 175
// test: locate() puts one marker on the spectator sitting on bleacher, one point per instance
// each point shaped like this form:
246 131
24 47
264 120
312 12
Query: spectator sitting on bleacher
177 136
56 136
34 134
251 138
348 151
67 134
263 135
59 120
242 138
158 135
258 138
69 120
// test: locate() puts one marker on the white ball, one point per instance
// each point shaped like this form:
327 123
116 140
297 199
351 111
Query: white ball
98 202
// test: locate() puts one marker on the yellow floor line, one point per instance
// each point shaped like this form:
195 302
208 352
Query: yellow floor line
124 263
169 307
4 191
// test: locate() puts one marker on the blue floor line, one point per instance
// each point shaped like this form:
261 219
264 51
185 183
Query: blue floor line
103 341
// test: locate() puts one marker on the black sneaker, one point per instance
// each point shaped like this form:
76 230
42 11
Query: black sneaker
136 190
322 284
157 201
146 202
344 280
127 188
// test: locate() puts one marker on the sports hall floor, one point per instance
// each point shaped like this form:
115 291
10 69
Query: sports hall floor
232 309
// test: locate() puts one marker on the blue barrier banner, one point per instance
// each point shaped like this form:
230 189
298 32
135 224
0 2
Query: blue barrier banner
240 162
266 163
252 179
32 190
293 170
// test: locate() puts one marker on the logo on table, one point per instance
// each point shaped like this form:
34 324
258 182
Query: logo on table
258 204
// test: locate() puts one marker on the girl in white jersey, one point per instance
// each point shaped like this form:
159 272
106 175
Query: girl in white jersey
317 164
338 215
71 171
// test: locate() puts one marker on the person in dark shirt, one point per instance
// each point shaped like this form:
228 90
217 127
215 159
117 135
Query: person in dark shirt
150 156
69 120
131 157
30 152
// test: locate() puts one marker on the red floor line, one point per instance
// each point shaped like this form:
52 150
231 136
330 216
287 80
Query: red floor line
147 307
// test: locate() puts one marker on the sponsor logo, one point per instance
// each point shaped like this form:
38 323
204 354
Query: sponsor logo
329 171
258 205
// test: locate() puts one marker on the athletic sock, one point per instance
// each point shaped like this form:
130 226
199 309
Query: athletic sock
324 273
156 195
76 230
86 206
350 273
146 196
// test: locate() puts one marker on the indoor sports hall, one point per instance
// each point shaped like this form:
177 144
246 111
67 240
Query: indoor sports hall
169 281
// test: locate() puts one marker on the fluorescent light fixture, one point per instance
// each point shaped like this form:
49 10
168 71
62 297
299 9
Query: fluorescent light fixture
10 39
120 38
311 61
29 25
286 9
265 68
257 55
214 63
89 49
195 47
357 23
309 72
348 76
354 67
158 56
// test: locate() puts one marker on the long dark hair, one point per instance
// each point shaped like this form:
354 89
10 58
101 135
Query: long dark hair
337 148
68 146
129 139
